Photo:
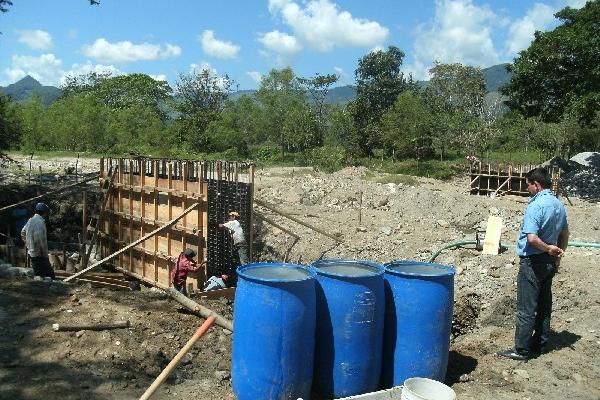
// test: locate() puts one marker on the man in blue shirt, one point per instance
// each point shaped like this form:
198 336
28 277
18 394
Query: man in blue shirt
542 241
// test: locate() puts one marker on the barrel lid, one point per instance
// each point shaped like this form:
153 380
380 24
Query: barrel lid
275 272
418 268
347 268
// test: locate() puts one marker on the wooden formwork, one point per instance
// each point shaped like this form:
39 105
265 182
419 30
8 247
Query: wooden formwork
502 179
148 193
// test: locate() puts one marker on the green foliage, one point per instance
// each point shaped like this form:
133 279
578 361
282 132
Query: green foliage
326 158
559 73
379 82
10 129
407 127
398 179
202 98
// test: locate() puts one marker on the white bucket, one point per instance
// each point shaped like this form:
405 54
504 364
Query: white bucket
426 389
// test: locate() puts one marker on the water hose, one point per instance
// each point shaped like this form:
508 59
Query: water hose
461 243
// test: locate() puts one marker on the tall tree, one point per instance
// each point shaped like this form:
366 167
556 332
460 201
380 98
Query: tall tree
202 97
407 127
559 73
456 95
9 126
280 94
121 92
379 82
318 87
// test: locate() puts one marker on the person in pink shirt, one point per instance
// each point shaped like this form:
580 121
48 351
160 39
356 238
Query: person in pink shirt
184 265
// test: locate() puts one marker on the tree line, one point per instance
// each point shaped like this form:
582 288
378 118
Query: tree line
551 105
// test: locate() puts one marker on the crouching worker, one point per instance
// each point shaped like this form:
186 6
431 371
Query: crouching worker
185 264
36 242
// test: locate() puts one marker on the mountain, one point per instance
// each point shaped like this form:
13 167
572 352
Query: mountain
495 77
26 87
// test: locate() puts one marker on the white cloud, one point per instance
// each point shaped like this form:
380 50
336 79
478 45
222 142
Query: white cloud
35 39
125 51
159 77
47 68
255 76
218 48
87 67
575 3
520 32
321 26
202 66
460 32
280 43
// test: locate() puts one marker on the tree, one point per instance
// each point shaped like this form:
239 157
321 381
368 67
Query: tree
121 92
558 74
202 97
9 126
280 94
456 96
379 82
318 86
407 127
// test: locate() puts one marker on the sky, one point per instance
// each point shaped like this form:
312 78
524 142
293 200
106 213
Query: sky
244 39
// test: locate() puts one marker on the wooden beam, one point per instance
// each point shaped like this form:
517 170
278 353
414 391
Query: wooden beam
62 189
181 299
140 240
296 220
275 224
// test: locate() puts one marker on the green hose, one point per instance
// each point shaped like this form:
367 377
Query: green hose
464 242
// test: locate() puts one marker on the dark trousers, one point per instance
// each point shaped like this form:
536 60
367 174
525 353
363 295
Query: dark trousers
41 267
534 302
181 288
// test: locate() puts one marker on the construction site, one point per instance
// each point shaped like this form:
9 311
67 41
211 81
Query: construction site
111 321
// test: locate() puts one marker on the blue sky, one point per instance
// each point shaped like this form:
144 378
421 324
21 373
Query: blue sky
245 39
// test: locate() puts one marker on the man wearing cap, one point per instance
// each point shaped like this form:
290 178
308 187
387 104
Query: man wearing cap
184 265
36 242
237 234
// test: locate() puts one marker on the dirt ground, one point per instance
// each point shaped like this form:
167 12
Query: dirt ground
394 218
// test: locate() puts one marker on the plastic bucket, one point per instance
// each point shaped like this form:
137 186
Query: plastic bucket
274 335
426 389
418 319
349 339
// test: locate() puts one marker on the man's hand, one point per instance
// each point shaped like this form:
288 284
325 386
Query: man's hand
555 251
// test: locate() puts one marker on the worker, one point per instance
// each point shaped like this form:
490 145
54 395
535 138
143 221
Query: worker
184 265
36 241
542 242
237 233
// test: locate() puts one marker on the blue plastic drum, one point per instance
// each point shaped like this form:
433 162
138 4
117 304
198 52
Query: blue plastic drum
418 320
350 311
274 331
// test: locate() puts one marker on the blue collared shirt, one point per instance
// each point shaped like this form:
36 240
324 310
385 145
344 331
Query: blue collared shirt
546 217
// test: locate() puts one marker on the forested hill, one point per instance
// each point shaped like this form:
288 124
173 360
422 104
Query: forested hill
22 90
26 87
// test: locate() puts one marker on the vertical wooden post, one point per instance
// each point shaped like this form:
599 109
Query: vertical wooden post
155 218
251 200
143 212
84 216
185 198
170 205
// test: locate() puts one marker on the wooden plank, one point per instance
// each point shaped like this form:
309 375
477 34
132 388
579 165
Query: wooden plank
151 234
228 293
492 235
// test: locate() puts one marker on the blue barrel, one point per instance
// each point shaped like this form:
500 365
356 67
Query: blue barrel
274 332
350 311
418 319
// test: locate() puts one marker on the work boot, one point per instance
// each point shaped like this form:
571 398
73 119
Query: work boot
515 355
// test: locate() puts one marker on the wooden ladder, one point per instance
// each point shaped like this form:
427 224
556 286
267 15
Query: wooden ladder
96 219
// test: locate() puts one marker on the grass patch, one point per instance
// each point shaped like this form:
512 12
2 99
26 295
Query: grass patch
430 168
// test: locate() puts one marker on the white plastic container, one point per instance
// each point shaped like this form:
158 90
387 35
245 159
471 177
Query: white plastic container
426 389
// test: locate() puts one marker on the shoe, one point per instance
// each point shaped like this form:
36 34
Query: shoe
515 355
